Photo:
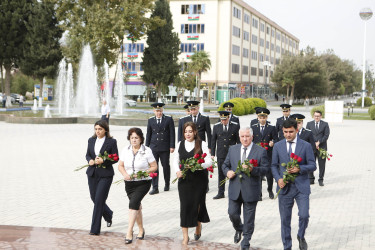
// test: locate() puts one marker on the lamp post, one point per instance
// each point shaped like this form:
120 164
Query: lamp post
266 64
365 15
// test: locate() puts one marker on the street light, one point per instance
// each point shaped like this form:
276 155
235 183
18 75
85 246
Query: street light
266 64
365 15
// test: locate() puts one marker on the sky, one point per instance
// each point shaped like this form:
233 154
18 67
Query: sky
325 24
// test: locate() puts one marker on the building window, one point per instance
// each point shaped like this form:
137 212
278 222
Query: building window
245 70
261 42
254 55
237 12
267 44
277 49
253 71
245 53
272 46
246 18
255 23
192 28
246 35
277 61
236 31
254 39
133 47
273 33
262 27
235 68
261 57
268 30
267 58
191 47
235 50
133 66
286 40
278 35
260 72
192 9
272 60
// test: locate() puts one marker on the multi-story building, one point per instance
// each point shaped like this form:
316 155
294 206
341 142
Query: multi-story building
244 47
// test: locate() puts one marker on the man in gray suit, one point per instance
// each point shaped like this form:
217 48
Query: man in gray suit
246 191
320 131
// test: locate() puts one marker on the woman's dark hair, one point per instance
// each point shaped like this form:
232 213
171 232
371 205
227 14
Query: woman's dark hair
138 132
198 141
290 122
105 126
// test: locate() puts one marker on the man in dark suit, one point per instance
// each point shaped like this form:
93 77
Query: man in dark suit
320 131
160 138
255 120
298 190
280 120
224 134
265 133
244 191
228 106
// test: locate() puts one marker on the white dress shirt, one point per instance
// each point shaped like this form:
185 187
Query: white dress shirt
190 146
294 144
98 145
138 162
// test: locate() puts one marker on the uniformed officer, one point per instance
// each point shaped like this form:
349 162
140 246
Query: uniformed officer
304 133
265 133
280 120
187 110
255 120
160 138
224 134
228 106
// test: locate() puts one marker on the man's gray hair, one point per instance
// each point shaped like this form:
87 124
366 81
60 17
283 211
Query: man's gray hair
245 129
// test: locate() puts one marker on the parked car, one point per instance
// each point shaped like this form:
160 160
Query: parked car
130 103
12 99
16 97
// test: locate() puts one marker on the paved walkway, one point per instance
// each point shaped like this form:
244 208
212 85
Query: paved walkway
38 188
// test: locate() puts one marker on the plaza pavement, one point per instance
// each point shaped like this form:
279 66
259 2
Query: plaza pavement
38 187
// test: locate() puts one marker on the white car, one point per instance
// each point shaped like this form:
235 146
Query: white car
130 103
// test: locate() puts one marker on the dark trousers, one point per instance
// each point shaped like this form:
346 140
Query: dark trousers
21 104
322 168
104 117
164 159
247 227
99 189
221 189
286 202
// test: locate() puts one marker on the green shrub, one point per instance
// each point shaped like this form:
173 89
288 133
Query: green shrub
259 102
320 108
371 111
251 105
244 104
238 108
368 102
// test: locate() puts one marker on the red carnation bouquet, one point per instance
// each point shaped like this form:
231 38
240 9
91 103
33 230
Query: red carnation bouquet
290 177
193 164
324 154
241 170
264 145
105 156
139 175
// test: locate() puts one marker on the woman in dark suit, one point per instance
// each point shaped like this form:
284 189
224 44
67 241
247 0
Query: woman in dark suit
100 178
192 189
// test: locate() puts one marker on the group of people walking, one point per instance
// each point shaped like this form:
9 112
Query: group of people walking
269 146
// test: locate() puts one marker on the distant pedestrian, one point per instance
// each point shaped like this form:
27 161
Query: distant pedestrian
105 111
21 101
4 100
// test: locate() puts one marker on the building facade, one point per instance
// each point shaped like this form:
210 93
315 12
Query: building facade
244 46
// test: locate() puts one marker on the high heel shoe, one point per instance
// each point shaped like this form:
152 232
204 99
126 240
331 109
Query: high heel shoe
143 235
197 236
129 241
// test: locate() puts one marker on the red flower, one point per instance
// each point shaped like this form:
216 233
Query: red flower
262 144
151 175
330 155
200 161
211 169
210 175
204 155
295 157
292 155
266 143
196 156
110 156
155 174
115 158
266 148
180 166
255 164
329 159
299 159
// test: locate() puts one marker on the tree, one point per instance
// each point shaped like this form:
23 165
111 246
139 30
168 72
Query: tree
200 62
160 58
185 80
370 81
13 17
42 54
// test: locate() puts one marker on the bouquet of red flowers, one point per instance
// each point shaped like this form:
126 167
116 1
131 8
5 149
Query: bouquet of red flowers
290 177
139 175
324 154
193 164
240 169
263 145
211 168
105 156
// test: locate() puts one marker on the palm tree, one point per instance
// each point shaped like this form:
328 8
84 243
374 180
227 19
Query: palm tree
200 62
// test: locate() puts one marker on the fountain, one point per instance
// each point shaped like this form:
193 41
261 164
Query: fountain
119 89
68 89
87 97
107 90
47 112
35 106
61 79
64 89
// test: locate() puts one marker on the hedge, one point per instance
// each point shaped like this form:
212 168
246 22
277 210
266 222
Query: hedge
371 111
320 108
368 102
238 108
244 106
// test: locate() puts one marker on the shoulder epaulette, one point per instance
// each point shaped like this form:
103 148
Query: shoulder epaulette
151 117
217 123
308 129
235 116
184 117
234 122
256 124
167 115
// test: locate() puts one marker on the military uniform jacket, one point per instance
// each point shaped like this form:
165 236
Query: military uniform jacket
322 134
269 134
160 137
203 126
279 127
233 118
224 140
307 136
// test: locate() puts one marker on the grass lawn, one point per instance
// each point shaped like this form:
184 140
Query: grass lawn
357 116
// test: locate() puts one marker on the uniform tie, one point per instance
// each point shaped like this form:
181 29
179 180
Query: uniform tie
317 126
225 128
195 119
158 121
262 130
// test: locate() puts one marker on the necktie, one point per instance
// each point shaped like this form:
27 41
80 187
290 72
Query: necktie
262 130
317 126
290 147
195 119
244 155
158 121
225 128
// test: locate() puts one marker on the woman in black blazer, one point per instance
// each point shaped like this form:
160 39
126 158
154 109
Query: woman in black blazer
99 178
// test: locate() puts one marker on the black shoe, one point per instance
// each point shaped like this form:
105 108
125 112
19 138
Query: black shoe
245 248
219 196
237 236
321 183
93 234
312 182
109 223
302 243
129 241
166 188
154 191
197 236
143 235
271 195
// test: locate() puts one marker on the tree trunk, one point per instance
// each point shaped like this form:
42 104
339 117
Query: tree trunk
2 79
287 93
41 90
197 77
7 85
159 92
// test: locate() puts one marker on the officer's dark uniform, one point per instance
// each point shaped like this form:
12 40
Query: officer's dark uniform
269 134
161 138
232 118
280 121
221 141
